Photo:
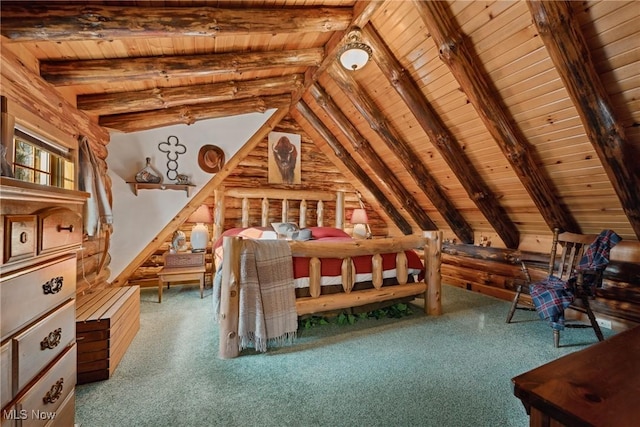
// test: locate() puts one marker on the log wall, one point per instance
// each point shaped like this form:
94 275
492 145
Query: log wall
497 272
318 173
48 113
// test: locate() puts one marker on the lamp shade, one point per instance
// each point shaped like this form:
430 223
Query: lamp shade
359 216
202 214
200 231
354 54
354 58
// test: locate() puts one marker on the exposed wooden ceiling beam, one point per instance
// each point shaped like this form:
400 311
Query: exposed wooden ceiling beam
443 140
50 105
365 105
63 73
561 34
144 120
67 22
362 12
353 167
167 97
363 148
456 54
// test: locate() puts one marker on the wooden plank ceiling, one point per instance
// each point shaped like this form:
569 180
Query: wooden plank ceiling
499 118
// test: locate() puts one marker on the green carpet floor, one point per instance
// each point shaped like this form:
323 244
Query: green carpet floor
451 370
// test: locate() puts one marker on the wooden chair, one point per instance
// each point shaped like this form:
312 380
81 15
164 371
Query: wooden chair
564 266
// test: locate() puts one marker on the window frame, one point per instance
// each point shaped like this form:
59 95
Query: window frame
60 160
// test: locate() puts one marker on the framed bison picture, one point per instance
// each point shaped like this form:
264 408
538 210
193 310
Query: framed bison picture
284 158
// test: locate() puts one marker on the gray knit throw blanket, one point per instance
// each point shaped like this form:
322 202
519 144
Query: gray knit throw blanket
267 295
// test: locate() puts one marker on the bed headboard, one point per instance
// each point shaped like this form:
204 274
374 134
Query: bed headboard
308 200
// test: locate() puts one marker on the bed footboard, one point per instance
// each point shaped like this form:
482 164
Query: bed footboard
429 289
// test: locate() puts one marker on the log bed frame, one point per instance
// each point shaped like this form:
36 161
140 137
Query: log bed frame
430 243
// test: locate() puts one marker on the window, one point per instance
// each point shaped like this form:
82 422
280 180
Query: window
42 162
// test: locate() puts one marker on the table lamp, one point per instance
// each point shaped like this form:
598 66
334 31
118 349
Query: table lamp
200 231
360 220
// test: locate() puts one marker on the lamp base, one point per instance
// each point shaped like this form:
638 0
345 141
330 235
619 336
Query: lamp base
199 237
360 231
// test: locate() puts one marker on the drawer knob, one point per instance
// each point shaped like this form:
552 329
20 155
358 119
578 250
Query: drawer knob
52 340
69 228
53 286
55 392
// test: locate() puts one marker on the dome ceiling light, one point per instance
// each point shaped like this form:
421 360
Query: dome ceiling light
354 54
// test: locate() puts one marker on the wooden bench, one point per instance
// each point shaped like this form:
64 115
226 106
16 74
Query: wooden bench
106 323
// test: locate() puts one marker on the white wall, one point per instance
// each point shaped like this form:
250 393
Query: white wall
138 219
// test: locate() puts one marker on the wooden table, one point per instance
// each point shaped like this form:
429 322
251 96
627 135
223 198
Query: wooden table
182 267
597 386
180 274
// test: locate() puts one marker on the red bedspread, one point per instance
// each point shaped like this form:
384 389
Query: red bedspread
331 267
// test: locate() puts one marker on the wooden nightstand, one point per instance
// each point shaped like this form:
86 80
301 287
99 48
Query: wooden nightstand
182 267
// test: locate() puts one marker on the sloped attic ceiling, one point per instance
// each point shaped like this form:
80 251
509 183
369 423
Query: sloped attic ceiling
499 118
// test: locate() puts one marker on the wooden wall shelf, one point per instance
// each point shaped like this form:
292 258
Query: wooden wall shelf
148 186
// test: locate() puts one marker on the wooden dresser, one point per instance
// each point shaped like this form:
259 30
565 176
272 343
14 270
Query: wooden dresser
41 230
596 386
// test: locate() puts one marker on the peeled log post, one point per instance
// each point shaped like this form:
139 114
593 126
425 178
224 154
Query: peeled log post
401 268
433 303
315 276
340 209
230 298
348 274
303 214
285 210
265 212
245 212
376 271
320 213
568 50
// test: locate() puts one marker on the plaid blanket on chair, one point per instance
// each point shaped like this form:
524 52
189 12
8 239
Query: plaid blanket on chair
552 295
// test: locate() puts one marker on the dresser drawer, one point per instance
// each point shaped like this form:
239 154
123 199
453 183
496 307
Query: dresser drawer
19 237
60 228
41 343
42 400
5 374
33 292
66 413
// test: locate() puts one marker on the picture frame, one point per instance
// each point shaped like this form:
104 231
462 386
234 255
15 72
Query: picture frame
284 165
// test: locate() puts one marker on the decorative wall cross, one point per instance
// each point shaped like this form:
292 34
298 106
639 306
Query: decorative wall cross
173 149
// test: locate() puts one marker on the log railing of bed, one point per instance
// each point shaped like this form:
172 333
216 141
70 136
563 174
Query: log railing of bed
285 196
429 242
